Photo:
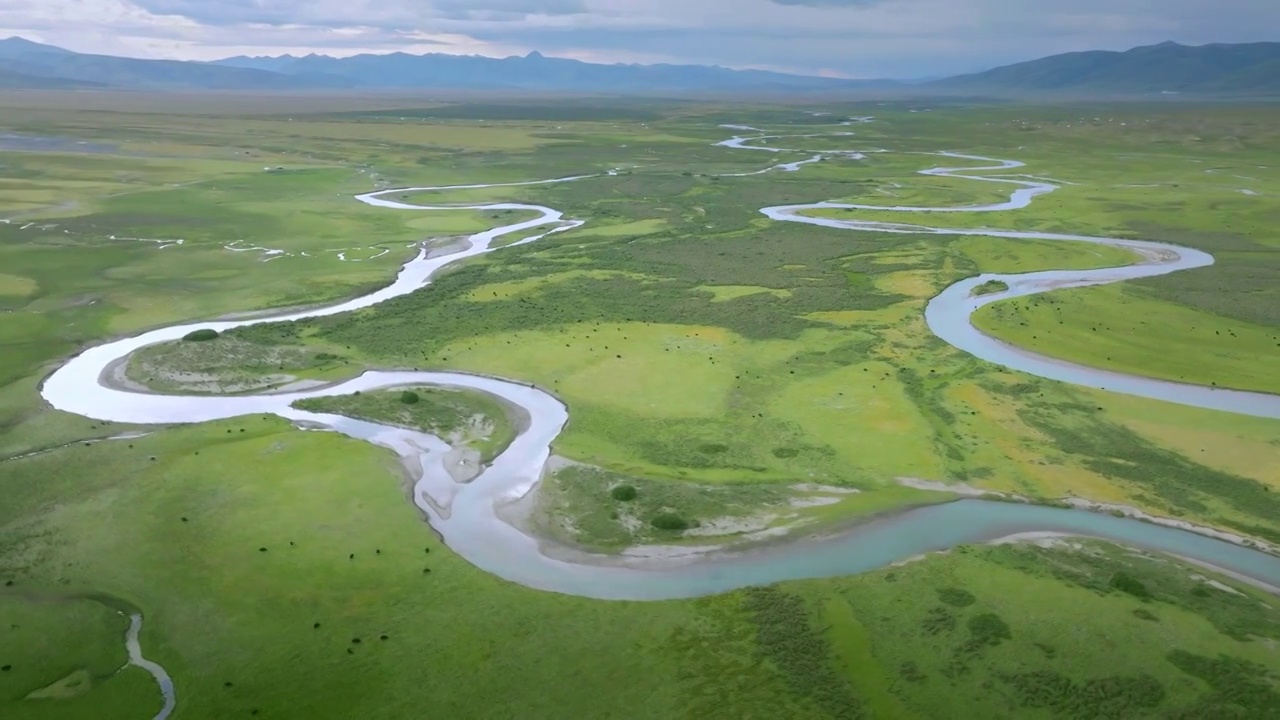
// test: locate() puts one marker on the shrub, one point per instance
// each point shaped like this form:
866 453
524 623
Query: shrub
409 397
624 493
989 287
987 629
937 621
201 335
669 521
955 597
1127 584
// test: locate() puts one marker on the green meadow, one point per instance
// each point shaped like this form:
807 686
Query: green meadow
732 373
462 417
226 567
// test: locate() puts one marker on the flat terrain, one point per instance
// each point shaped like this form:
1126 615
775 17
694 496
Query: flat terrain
740 374
477 421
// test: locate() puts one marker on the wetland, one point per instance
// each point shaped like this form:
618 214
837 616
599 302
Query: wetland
657 337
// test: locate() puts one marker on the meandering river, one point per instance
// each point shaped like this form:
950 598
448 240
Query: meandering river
467 515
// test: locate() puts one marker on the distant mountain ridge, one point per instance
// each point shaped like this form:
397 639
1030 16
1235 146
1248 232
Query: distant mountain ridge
534 71
394 71
1167 68
56 67
1242 70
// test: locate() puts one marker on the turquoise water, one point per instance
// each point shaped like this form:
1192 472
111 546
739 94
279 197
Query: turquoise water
466 515
872 546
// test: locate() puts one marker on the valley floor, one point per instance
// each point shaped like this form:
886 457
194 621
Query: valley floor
740 376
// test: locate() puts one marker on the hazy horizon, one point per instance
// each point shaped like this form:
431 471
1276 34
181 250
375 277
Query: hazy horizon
838 38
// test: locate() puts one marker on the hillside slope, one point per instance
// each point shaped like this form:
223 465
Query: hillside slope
1249 69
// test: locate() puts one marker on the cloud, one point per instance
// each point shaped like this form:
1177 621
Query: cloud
860 38
507 10
830 3
389 14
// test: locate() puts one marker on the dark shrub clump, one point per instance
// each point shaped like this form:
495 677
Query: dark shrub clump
201 335
1127 584
669 521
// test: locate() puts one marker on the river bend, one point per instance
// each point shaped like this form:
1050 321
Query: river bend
467 515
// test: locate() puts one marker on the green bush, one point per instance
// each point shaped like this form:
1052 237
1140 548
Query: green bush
1127 584
955 597
987 629
409 397
989 287
624 493
937 621
201 335
669 521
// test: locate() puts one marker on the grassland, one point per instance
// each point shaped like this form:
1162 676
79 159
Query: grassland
226 562
989 287
605 511
229 366
712 360
461 416
1140 335
65 657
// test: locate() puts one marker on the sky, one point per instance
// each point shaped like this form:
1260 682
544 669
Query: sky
841 38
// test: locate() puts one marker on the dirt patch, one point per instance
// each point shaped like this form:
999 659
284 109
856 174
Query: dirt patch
956 488
224 366
1041 539
1132 512
74 685
439 247
463 463
1217 585
1245 579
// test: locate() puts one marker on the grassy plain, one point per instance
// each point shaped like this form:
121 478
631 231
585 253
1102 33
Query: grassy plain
1138 172
226 562
461 416
229 366
607 511
711 358
1112 328
65 657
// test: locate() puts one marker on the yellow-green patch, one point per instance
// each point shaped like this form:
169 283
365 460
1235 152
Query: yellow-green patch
531 285
864 413
74 685
1113 328
17 286
1002 255
639 227
722 293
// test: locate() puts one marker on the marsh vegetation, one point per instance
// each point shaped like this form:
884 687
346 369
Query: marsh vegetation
713 362
460 417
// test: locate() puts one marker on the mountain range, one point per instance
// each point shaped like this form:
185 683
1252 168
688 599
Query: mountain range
1168 68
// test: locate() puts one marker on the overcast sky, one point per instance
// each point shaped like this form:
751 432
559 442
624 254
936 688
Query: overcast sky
852 38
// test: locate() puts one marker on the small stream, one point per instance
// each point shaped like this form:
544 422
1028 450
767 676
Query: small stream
137 659
132 643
